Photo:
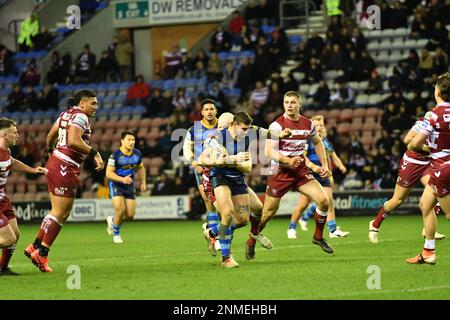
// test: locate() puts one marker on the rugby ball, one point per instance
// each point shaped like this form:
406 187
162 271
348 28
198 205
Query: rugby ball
217 152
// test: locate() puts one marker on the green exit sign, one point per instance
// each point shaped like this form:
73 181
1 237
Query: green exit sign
131 10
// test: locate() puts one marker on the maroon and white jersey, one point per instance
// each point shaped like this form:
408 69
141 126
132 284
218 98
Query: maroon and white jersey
6 162
436 126
417 157
302 130
71 117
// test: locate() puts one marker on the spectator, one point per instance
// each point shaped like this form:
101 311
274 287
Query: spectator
375 84
42 40
199 71
275 99
245 77
28 28
425 63
388 118
154 105
399 16
158 71
336 59
229 77
172 61
251 13
343 97
385 141
201 56
163 186
6 66
106 67
179 188
214 68
217 94
262 65
259 95
322 95
186 66
58 73
29 102
353 180
396 81
358 41
196 113
412 60
220 40
139 92
267 12
48 98
85 65
181 100
30 76
290 83
254 34
124 55
167 106
313 72
438 36
315 41
367 64
356 147
236 23
440 61
419 28
15 98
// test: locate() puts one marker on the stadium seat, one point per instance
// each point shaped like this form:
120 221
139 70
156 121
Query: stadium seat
358 113
361 99
334 113
374 99
343 128
371 112
346 114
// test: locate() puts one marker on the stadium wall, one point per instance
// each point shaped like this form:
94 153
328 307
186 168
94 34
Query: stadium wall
17 9
348 203
52 12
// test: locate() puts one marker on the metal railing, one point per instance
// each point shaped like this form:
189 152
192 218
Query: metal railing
15 32
289 17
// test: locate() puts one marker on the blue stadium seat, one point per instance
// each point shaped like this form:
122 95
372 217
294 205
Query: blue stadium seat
267 29
158 84
224 56
181 83
169 84
102 5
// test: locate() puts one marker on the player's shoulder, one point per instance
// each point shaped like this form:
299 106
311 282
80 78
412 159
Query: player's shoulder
5 155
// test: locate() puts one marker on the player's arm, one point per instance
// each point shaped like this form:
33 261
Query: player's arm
338 162
51 137
321 153
272 152
75 140
142 175
112 175
411 135
18 165
418 142
188 148
274 134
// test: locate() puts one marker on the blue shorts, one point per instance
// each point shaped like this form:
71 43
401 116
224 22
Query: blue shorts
237 185
324 182
116 190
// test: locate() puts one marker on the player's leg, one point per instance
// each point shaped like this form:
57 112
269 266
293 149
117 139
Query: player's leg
438 236
399 196
50 227
316 193
303 202
7 236
270 207
426 204
226 207
212 215
120 211
256 207
335 231
8 250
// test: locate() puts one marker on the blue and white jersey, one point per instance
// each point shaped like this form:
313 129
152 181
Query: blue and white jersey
312 155
125 165
197 134
233 147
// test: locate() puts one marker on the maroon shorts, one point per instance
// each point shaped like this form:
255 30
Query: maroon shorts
440 180
284 180
207 187
6 212
62 178
409 173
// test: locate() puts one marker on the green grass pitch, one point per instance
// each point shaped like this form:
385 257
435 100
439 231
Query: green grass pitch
169 260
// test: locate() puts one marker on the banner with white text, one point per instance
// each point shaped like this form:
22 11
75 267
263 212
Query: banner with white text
141 13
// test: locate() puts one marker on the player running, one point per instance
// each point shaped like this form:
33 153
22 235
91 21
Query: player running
289 172
71 133
414 167
193 148
435 128
224 154
255 134
121 168
9 229
313 163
